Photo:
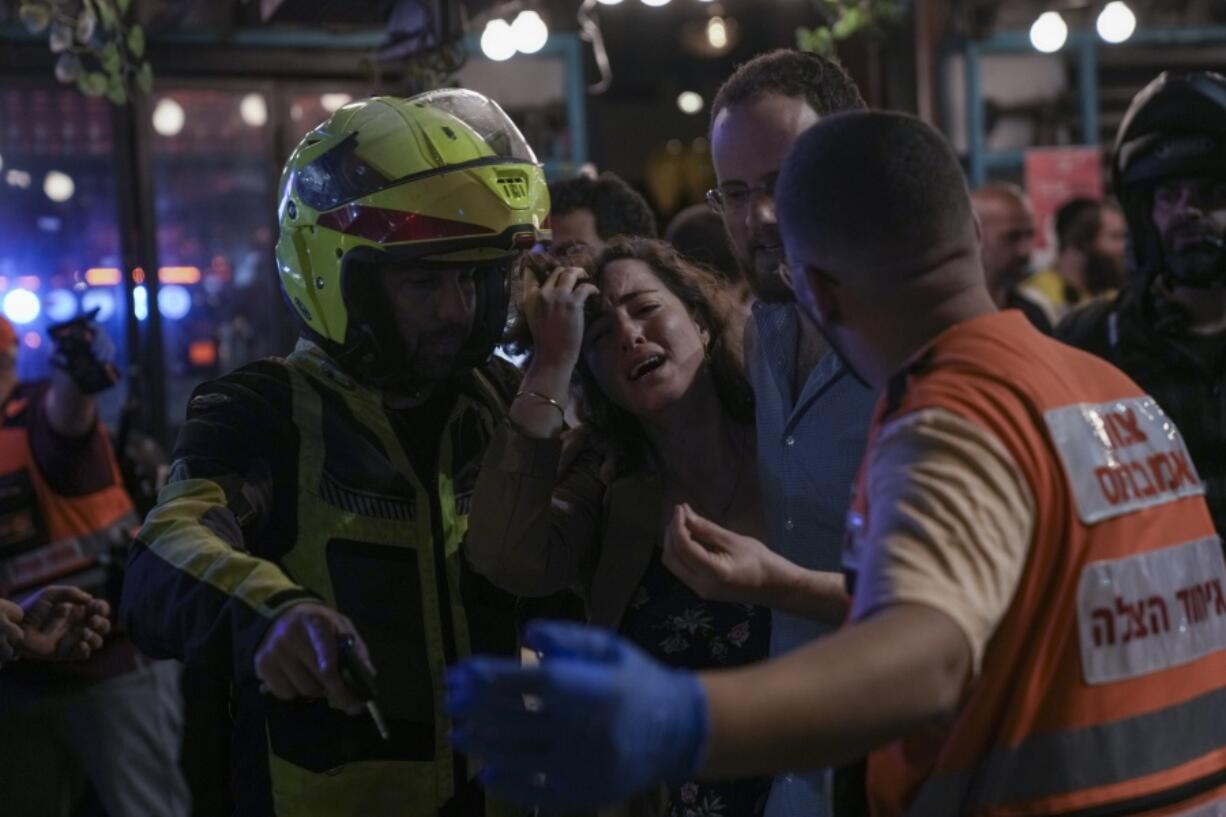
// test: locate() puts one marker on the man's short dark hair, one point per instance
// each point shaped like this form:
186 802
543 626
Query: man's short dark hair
618 208
1077 223
874 190
821 82
699 235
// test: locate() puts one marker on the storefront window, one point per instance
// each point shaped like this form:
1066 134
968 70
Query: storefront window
214 174
59 233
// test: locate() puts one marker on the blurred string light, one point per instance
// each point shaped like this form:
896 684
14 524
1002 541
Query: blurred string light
140 303
717 32
21 306
103 276
497 41
179 275
530 32
253 110
1049 32
526 35
174 302
17 178
608 2
1116 22
333 102
102 300
655 3
168 117
60 305
58 186
689 102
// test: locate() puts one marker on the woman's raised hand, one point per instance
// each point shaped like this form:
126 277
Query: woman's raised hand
554 312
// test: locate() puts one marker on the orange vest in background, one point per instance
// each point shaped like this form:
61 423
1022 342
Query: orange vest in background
47 537
1103 689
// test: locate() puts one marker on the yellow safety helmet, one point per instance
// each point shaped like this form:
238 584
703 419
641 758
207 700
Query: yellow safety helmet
442 179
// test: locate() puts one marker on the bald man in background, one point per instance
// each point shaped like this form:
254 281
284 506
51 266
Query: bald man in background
1006 223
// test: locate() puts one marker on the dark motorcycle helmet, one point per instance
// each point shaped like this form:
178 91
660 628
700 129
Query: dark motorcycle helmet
1176 126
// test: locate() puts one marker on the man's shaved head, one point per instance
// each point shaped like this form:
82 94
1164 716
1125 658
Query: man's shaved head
874 198
881 240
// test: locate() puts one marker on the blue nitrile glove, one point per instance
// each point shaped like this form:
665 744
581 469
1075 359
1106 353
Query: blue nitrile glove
596 723
84 351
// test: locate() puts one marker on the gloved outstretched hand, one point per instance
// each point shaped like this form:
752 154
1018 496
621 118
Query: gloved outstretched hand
595 723
84 352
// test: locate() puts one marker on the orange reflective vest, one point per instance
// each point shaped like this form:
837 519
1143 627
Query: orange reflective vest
1103 689
47 537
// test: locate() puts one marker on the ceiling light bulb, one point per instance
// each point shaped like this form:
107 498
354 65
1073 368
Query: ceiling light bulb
58 186
530 32
168 117
498 41
1049 32
1116 22
689 102
253 110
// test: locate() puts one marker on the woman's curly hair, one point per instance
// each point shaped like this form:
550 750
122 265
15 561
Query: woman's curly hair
705 295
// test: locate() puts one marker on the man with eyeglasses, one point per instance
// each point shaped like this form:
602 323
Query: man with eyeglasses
812 413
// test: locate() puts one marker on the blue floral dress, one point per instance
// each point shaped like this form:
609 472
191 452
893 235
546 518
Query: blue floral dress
672 623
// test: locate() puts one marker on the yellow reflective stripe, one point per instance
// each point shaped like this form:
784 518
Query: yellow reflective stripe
366 406
1081 759
174 533
356 789
307 559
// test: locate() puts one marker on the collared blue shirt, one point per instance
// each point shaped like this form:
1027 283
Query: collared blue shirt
808 454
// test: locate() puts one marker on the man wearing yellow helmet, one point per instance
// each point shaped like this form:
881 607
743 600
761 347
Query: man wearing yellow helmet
326 495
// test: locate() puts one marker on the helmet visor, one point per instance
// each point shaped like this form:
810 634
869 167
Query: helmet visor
451 129
484 118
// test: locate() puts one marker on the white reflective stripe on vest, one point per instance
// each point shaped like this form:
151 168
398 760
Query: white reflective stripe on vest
1151 611
1079 759
44 563
1121 456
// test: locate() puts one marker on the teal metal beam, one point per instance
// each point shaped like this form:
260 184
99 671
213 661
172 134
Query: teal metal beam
1087 45
569 48
1087 75
976 115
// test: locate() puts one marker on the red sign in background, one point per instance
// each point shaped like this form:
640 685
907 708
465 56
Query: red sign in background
1055 175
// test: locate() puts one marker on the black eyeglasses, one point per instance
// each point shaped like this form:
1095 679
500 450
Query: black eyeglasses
735 197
